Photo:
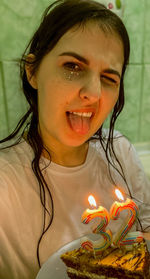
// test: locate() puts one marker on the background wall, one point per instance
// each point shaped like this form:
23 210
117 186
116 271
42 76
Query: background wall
19 19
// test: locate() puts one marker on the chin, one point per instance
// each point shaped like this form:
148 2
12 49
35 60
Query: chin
76 141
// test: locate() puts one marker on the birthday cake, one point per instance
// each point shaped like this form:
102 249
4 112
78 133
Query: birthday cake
111 263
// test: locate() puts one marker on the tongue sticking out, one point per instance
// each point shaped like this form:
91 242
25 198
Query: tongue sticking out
78 123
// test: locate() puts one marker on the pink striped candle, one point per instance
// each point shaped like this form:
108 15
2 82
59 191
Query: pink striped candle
123 237
89 214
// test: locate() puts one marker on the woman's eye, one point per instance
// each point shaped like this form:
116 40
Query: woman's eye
72 66
72 71
109 80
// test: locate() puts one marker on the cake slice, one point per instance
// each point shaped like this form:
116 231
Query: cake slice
112 263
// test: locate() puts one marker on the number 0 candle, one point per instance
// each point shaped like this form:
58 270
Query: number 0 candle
124 237
88 215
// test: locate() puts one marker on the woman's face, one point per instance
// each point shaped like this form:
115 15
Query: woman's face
78 84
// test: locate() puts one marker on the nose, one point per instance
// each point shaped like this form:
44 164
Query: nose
91 89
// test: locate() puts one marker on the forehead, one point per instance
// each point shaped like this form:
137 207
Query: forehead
91 40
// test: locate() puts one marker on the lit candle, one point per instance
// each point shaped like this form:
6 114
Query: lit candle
89 214
123 236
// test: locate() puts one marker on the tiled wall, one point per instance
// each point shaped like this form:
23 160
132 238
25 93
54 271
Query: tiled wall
18 20
135 119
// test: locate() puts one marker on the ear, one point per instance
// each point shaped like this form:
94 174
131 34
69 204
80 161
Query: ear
28 67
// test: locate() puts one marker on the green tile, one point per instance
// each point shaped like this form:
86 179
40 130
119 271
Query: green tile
145 103
19 20
134 21
128 121
16 104
3 108
20 8
13 39
147 33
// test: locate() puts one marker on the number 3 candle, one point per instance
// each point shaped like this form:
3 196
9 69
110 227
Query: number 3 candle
124 237
87 216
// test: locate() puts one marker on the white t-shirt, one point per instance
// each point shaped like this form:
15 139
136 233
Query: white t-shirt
21 212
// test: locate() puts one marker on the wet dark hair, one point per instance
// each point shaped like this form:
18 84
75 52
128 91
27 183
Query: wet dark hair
57 19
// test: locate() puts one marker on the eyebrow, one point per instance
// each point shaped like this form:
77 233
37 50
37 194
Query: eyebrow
112 71
77 56
85 61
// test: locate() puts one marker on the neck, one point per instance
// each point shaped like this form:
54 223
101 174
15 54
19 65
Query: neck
67 156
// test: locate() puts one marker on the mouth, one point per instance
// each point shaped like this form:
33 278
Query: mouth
80 121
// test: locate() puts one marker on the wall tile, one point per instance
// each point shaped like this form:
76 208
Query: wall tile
16 104
18 7
145 106
147 33
19 21
14 37
134 21
128 121
3 109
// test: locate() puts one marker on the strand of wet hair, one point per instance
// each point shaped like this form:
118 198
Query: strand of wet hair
16 131
37 146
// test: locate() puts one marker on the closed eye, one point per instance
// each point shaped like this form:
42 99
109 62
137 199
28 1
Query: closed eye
110 80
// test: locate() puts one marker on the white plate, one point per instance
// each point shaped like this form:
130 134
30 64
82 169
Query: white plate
54 268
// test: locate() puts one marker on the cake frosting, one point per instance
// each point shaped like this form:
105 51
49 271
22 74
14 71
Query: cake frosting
112 263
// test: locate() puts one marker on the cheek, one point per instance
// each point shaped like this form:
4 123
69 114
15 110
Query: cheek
110 98
53 99
114 100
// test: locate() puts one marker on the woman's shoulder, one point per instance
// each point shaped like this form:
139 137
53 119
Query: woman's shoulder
15 167
15 154
121 144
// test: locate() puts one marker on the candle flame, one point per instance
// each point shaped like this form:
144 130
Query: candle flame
92 201
119 194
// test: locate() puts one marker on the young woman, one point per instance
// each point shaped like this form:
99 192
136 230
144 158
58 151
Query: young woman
72 77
